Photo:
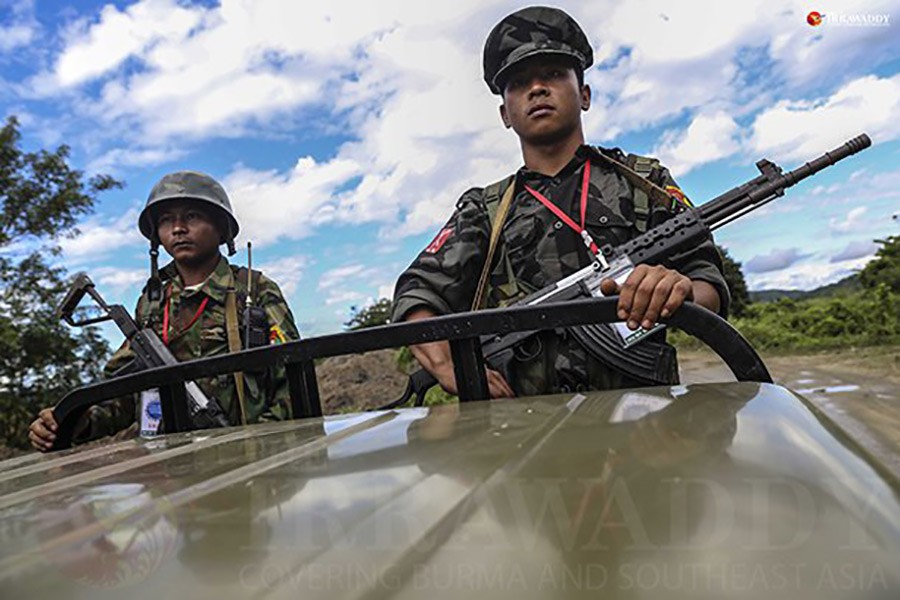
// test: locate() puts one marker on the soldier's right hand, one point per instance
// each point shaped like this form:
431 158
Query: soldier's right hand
435 358
42 432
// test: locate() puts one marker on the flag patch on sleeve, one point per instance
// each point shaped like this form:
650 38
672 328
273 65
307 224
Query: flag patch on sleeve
678 196
439 240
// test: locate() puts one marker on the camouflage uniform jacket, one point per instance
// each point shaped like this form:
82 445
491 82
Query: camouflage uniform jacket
539 250
266 395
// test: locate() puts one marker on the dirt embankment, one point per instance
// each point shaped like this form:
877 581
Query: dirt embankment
359 381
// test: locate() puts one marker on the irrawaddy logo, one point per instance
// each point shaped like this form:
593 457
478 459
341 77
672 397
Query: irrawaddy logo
832 19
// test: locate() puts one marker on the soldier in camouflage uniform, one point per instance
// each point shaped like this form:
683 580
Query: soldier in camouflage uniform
189 214
568 199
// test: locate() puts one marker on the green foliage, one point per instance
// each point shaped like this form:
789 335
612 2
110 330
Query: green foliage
437 395
871 317
370 316
856 311
734 277
41 198
885 269
405 360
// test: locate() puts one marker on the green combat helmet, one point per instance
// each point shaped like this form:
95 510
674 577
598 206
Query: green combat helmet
530 32
182 185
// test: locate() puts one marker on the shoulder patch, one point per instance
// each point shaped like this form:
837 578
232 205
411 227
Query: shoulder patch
439 240
276 335
678 197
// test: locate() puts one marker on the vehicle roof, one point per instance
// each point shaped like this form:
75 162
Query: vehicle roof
684 491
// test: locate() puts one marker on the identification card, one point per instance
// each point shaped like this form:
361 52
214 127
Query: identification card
151 413
619 271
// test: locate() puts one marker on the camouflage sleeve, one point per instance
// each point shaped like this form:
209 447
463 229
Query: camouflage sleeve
701 263
282 328
445 274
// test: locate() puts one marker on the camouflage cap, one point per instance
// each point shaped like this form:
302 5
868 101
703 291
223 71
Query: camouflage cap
187 185
529 32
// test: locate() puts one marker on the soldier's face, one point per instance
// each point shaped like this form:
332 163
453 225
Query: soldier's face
543 101
188 231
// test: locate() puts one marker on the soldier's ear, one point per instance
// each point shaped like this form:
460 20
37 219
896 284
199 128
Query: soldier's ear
504 116
585 97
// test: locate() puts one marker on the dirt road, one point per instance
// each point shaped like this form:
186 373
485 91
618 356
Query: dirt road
859 389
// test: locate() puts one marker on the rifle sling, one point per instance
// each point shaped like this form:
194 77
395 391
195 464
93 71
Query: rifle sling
496 230
234 345
652 190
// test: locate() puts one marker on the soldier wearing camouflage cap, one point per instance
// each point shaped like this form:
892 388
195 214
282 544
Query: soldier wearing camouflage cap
190 302
552 214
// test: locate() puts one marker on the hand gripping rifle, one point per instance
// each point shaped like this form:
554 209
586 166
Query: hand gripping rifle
150 352
680 233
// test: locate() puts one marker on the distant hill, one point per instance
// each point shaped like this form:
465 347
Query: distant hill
845 286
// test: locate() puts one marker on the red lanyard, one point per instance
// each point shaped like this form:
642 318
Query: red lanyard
165 329
580 230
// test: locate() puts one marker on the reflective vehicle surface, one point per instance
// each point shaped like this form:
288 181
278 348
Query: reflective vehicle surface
701 491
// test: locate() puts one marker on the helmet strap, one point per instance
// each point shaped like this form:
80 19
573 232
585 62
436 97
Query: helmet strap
229 241
154 284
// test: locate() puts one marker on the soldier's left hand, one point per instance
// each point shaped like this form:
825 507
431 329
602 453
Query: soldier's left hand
650 292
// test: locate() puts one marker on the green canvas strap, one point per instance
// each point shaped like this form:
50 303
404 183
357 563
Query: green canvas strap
234 345
642 166
637 173
497 212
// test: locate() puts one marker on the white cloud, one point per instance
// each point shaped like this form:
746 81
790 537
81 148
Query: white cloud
857 249
805 276
801 129
344 284
116 159
344 296
103 237
775 260
15 36
854 221
110 279
403 78
707 138
809 57
21 28
338 276
97 48
290 205
287 272
386 291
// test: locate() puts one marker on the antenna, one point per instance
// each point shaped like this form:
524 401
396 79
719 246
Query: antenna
249 273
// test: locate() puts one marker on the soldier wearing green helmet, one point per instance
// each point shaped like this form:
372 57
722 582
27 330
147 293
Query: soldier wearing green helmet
196 304
548 219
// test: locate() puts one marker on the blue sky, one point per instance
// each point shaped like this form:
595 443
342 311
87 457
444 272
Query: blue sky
345 131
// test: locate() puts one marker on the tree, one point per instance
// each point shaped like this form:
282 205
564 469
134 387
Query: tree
734 277
886 266
370 316
41 199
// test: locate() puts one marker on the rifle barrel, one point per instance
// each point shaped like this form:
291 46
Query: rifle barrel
763 189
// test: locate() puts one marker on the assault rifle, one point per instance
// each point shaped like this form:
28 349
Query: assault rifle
150 352
680 233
